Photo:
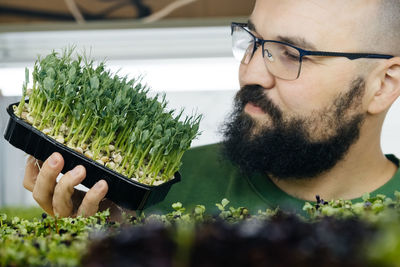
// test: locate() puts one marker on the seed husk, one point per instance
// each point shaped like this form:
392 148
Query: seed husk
88 154
30 119
117 158
24 115
46 131
78 149
158 182
60 139
63 128
110 165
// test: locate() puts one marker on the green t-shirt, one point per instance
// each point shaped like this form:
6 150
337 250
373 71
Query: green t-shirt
207 178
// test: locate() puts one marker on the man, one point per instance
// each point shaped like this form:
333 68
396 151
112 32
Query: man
305 122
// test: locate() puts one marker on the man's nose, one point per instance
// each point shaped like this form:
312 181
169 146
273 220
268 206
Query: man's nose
255 72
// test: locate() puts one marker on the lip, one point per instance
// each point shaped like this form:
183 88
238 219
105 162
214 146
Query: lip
253 109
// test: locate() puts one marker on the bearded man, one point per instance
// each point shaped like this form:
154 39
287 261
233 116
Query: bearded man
317 79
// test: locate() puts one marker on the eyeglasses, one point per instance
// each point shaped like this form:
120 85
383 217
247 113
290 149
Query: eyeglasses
282 60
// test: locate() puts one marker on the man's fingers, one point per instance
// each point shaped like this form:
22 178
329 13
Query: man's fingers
31 172
56 198
46 181
62 198
90 203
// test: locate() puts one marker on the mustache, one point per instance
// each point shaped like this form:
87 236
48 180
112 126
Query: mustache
255 94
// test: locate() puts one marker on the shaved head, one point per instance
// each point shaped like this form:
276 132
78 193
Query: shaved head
384 28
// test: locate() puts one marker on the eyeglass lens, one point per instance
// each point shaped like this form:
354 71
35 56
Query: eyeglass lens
242 45
281 60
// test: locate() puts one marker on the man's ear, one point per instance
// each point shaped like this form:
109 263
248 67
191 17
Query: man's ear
387 87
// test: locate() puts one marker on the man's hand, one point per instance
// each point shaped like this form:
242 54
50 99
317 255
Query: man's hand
62 199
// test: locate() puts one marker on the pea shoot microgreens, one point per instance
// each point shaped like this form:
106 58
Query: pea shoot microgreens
367 230
108 118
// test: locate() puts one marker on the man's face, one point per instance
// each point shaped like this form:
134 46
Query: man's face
315 118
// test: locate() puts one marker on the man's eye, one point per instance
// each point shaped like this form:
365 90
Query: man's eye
291 56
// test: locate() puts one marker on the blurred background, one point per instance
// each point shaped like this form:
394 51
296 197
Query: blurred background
181 47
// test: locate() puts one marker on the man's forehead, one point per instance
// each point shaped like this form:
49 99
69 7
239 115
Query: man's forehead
310 24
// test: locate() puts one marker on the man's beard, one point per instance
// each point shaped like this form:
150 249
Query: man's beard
293 147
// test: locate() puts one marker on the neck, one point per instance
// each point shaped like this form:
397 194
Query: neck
364 169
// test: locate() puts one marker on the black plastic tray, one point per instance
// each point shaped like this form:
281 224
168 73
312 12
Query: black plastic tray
123 191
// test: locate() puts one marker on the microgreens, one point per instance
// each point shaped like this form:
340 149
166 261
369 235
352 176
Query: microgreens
350 232
108 118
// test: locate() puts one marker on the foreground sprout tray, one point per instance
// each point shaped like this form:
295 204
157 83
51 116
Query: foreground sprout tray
122 191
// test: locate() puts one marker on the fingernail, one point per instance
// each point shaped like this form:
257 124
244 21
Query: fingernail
76 171
53 160
99 185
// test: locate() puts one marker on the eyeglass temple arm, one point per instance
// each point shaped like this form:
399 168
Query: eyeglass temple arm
350 56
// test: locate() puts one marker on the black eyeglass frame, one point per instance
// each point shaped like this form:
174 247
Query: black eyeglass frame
303 52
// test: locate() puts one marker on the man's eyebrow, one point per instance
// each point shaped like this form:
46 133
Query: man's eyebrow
251 26
297 41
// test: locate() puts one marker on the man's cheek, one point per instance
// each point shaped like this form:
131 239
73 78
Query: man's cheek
296 103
